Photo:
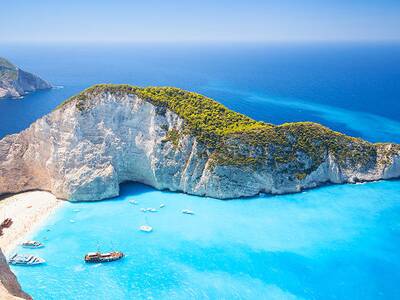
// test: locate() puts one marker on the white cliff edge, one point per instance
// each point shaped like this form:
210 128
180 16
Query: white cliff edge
15 82
85 154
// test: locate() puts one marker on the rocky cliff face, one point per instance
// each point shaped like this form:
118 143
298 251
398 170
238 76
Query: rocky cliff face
9 286
107 135
15 82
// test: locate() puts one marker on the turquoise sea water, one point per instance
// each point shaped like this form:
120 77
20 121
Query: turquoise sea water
335 242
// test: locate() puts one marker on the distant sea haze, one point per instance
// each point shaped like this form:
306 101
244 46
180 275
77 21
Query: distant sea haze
352 88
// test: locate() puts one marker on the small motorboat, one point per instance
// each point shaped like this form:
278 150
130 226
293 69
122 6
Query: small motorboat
32 245
26 260
146 228
97 257
6 223
134 202
187 212
162 205
149 209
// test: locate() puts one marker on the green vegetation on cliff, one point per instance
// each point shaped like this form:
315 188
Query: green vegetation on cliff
173 136
4 63
7 70
205 117
235 139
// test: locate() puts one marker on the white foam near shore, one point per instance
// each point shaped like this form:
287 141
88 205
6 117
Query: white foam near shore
28 211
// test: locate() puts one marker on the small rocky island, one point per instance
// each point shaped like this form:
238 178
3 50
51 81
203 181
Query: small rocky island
173 139
15 82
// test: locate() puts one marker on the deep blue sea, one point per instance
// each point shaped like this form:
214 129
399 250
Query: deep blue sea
335 242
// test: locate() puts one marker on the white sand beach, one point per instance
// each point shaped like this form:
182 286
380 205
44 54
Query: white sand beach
28 211
5 295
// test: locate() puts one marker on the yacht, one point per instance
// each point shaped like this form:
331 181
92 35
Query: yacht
187 212
149 209
97 257
146 228
162 205
134 202
32 244
25 259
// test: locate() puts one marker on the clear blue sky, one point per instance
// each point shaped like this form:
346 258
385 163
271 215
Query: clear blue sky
200 20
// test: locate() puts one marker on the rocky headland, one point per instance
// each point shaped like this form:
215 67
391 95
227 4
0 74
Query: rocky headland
15 82
172 139
9 286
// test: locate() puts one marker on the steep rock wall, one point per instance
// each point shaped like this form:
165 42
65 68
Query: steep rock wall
9 286
15 82
85 153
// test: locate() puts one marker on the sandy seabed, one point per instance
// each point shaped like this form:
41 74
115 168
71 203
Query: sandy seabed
28 211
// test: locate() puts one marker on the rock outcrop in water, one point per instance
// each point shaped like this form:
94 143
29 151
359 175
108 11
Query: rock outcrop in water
9 286
177 140
15 82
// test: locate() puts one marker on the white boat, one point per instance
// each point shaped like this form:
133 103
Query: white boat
25 259
187 212
162 205
146 228
32 244
149 209
134 202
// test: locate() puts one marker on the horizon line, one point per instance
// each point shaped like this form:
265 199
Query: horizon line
272 41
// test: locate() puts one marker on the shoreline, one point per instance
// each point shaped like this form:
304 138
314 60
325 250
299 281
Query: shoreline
29 211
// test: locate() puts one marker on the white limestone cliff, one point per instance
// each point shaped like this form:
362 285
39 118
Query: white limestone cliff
84 154
15 82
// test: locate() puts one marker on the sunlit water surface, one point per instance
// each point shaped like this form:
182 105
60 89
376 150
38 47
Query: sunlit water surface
335 242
